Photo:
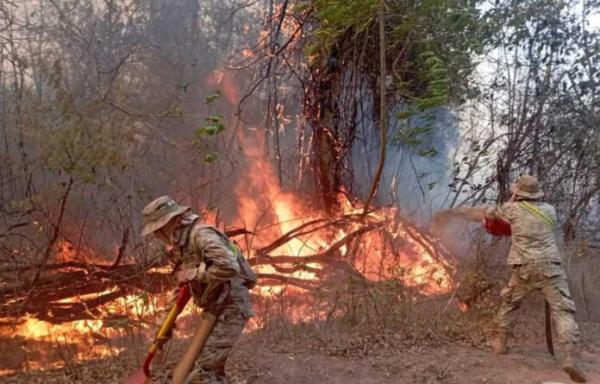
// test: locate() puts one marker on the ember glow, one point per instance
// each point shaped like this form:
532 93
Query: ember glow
81 340
77 340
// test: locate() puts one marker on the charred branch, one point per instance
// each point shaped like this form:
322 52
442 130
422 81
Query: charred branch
55 233
121 251
76 290
274 280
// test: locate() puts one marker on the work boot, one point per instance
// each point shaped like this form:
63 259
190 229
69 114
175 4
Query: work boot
570 364
499 343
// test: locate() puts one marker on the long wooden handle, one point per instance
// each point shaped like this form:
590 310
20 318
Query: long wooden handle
548 318
182 370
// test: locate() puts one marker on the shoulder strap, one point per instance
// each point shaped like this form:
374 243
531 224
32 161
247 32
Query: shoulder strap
186 233
538 213
184 239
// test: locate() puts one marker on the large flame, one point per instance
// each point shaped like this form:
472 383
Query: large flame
271 212
80 340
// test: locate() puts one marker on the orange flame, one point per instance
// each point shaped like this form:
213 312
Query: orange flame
224 82
271 212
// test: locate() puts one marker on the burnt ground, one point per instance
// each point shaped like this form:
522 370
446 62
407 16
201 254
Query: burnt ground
452 352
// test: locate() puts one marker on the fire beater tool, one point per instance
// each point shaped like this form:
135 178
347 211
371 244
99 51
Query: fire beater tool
207 322
549 342
182 370
143 375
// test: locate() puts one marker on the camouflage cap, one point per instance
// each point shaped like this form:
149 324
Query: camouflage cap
158 213
527 186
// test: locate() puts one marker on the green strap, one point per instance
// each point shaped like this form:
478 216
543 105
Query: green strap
233 248
538 213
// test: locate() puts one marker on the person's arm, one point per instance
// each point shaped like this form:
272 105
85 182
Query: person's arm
499 212
221 262
496 220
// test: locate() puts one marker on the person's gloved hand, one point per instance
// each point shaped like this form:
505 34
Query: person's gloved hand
187 274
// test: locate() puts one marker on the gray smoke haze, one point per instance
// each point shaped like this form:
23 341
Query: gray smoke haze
416 176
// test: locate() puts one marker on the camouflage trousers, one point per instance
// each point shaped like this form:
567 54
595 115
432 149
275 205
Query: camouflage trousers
209 368
551 280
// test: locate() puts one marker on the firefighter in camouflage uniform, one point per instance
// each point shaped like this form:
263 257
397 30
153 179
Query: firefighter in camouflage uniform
206 258
536 265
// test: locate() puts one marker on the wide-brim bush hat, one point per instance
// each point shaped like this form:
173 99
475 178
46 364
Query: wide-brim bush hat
527 186
159 212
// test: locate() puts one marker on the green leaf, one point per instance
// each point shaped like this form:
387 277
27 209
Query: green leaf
431 152
212 97
405 115
210 130
210 158
214 118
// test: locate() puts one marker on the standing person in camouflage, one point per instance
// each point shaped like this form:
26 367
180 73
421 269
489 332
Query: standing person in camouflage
206 258
536 265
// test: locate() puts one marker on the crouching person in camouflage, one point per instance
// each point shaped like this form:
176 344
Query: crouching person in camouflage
536 265
206 258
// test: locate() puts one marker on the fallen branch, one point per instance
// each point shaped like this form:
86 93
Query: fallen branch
274 280
59 293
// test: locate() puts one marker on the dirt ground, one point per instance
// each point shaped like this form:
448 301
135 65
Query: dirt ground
311 354
448 364
391 359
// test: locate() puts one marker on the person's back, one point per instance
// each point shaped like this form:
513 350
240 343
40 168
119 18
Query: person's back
533 237
201 240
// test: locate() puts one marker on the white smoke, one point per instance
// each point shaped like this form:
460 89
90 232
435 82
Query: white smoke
417 173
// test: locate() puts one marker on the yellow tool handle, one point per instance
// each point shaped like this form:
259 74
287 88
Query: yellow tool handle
165 327
182 370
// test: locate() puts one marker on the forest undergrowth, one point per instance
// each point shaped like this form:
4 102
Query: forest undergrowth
373 332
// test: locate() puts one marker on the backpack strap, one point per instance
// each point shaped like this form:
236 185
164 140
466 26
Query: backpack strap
184 240
538 213
186 234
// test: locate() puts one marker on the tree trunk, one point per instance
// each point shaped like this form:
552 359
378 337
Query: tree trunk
327 162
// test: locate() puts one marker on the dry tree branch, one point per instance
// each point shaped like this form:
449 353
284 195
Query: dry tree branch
382 108
122 247
275 280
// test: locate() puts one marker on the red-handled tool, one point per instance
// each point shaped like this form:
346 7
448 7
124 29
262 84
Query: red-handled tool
497 226
142 375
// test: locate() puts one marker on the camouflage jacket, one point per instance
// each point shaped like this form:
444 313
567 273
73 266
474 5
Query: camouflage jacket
202 243
533 239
